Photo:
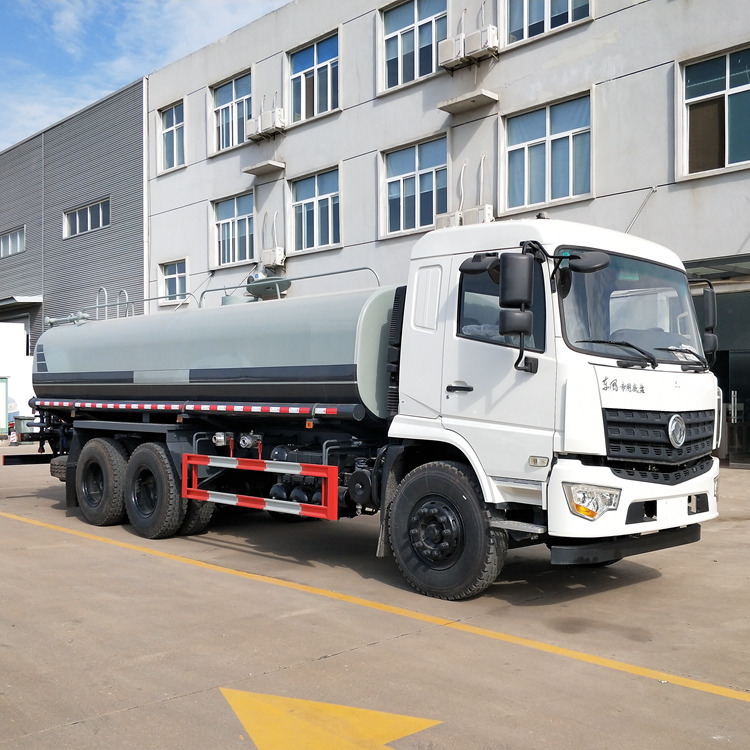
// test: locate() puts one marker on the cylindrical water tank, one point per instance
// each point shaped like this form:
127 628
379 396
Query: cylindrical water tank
327 349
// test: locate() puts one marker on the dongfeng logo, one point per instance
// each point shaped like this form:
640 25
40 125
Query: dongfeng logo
676 431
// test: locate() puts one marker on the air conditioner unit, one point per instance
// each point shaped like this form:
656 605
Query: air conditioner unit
273 257
252 130
451 52
478 215
272 121
482 43
443 221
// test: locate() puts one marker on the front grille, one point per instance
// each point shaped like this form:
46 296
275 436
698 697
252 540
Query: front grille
664 475
641 436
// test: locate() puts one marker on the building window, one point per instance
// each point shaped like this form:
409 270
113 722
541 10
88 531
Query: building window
417 184
174 281
412 33
315 205
234 229
86 219
12 243
717 98
529 18
549 153
232 110
315 79
173 137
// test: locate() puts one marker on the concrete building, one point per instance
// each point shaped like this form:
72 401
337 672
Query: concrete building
72 226
330 136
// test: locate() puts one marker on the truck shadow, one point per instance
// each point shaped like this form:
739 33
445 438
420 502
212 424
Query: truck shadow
527 578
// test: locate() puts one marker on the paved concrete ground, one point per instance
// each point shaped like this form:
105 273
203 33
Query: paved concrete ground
108 640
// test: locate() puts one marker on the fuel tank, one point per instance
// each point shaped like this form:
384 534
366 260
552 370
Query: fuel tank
322 350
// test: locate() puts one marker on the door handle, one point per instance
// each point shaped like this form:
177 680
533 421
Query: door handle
456 388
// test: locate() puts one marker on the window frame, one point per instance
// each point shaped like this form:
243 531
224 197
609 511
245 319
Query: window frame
20 240
684 104
179 297
333 212
416 174
329 66
88 207
548 28
547 140
231 106
233 223
178 141
414 27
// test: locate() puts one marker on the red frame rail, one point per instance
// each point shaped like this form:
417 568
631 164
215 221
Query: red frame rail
329 510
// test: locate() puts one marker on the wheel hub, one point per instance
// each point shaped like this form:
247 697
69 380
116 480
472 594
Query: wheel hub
435 532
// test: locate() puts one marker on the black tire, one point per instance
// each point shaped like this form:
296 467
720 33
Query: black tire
440 533
197 517
152 497
100 482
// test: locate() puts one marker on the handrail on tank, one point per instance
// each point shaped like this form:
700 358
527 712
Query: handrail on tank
98 305
290 279
129 306
171 298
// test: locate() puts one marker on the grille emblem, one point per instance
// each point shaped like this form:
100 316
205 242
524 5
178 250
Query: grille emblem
676 430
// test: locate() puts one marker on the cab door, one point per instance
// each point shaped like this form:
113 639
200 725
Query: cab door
506 415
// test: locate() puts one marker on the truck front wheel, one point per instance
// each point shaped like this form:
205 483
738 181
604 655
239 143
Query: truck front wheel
100 482
152 496
440 532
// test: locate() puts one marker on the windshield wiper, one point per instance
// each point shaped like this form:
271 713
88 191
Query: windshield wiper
650 358
703 362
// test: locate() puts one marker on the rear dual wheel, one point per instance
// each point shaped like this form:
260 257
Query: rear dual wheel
153 499
144 490
100 482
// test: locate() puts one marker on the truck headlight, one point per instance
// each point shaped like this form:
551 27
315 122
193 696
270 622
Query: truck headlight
590 501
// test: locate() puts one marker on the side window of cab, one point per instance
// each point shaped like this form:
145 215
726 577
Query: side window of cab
479 311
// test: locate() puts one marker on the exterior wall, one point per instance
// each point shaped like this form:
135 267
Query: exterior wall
95 154
621 56
21 205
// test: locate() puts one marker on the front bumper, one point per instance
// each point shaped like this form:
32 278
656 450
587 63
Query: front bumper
607 550
644 507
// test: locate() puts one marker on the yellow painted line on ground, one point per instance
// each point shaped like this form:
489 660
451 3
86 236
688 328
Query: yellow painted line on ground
581 656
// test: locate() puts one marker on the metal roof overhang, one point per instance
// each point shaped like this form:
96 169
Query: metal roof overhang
21 301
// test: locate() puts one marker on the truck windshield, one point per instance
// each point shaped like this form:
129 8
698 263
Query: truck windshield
638 312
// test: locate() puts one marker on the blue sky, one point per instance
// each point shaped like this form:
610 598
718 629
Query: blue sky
57 56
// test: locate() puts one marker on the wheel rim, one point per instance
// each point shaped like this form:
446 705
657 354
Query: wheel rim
93 485
145 493
436 533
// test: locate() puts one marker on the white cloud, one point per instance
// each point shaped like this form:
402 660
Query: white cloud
141 37
66 18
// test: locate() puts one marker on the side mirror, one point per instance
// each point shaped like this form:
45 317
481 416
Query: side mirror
516 280
710 343
516 295
588 262
709 310
480 263
519 322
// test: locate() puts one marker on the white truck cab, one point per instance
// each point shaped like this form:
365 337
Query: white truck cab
599 429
